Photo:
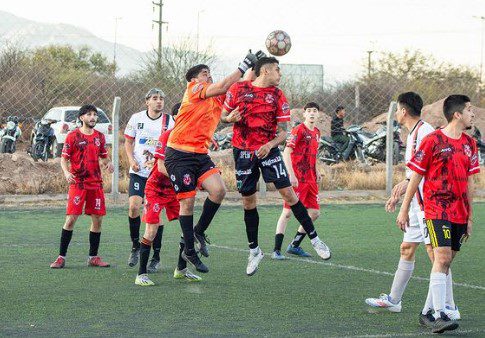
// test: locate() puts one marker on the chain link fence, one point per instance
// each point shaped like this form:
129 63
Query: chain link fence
32 81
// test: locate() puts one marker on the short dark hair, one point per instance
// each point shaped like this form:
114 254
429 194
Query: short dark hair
175 108
264 61
86 109
412 102
194 71
339 108
311 105
454 103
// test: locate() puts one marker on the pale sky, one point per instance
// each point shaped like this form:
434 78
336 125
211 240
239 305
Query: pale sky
336 34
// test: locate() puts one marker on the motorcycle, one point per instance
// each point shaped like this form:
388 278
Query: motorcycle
221 142
9 135
42 140
374 144
330 152
477 135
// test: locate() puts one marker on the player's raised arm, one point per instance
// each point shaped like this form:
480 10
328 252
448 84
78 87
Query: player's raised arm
222 86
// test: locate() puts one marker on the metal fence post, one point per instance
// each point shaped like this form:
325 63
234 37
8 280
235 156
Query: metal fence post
262 187
389 146
115 118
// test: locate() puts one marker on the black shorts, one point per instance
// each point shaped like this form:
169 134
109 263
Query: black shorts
248 167
137 185
443 233
187 171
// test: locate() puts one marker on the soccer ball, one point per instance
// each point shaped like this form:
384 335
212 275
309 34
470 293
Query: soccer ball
278 43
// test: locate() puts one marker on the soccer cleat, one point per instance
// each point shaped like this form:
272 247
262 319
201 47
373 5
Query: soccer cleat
322 249
278 255
195 261
153 266
202 240
443 323
143 280
186 274
253 262
97 261
384 302
58 263
426 320
134 257
297 251
453 314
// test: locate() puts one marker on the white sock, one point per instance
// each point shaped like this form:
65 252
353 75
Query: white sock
314 240
254 251
449 291
438 288
401 278
429 301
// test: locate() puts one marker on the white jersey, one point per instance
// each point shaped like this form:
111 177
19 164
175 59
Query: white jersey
420 131
145 132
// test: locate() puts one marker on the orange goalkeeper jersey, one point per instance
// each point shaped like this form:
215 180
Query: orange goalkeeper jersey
197 119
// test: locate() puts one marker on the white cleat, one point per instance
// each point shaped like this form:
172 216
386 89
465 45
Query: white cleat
322 250
453 314
253 262
143 280
384 303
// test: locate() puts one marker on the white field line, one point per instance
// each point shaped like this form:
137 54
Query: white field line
349 267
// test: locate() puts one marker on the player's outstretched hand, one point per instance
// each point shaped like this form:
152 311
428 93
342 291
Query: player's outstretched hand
70 177
263 151
110 167
402 220
260 54
391 204
248 62
234 116
469 229
135 166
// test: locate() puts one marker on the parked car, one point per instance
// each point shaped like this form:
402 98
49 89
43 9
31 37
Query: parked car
67 117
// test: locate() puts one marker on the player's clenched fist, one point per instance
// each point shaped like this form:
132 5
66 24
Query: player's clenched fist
234 116
402 220
69 177
263 151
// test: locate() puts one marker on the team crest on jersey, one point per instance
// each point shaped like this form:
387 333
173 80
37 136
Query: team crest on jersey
77 200
467 150
474 159
285 107
269 98
197 87
97 143
419 156
156 207
187 179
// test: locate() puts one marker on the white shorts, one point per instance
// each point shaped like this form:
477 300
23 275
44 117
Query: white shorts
416 232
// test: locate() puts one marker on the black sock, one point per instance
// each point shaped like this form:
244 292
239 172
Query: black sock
278 241
301 214
298 238
251 218
135 231
66 236
187 225
182 264
144 255
208 211
157 243
94 238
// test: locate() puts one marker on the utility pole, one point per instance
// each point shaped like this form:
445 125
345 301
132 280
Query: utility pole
482 18
160 23
369 62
